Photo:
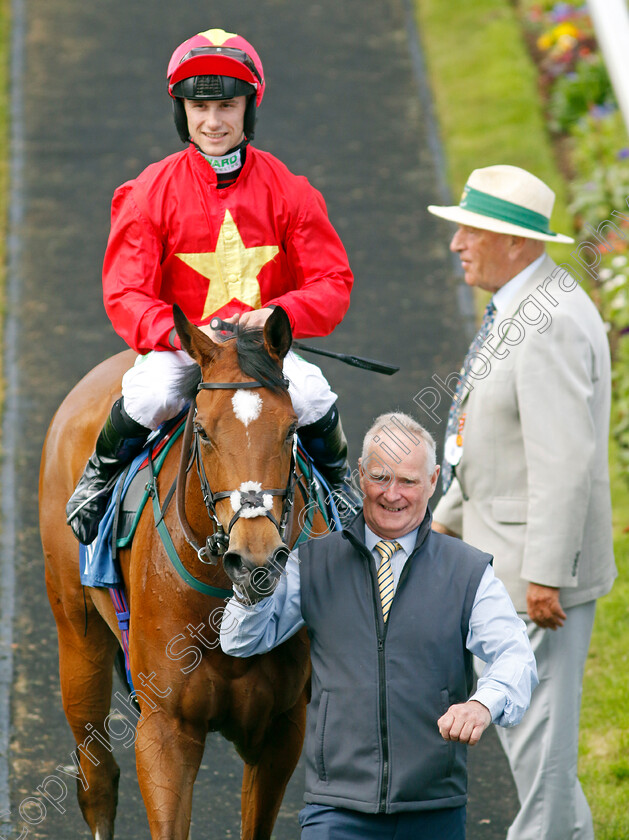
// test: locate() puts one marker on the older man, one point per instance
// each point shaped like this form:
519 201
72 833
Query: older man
525 473
394 612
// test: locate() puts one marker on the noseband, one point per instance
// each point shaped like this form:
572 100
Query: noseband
247 502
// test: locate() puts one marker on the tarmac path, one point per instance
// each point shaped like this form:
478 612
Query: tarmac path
344 106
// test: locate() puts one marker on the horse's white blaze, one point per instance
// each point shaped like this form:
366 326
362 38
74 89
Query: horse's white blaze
247 406
250 513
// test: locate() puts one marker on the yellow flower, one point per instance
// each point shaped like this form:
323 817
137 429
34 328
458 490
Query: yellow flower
544 42
566 29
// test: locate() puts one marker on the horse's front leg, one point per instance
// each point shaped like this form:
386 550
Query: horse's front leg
168 756
264 782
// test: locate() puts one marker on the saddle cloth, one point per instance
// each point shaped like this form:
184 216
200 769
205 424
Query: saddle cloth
98 563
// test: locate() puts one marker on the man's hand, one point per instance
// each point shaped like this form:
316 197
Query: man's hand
542 603
464 722
215 336
441 529
254 318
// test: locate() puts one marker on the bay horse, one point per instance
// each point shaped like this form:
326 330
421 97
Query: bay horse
258 703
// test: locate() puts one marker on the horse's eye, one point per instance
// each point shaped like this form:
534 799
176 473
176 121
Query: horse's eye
290 434
200 431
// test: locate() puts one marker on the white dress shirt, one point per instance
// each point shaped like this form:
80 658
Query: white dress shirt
496 634
507 292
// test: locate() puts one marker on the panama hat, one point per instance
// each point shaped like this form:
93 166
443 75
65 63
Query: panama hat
505 199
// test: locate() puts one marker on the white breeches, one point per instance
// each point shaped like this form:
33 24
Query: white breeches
152 391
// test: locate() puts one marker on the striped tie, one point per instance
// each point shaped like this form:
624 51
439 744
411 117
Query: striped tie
386 549
447 471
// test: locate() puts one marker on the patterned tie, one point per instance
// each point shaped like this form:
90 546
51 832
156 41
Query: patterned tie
447 471
386 549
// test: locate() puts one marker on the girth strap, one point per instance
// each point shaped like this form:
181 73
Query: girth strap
122 614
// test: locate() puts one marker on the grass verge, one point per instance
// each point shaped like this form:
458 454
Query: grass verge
489 110
604 742
485 89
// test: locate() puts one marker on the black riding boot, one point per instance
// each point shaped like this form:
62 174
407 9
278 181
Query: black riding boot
119 441
326 444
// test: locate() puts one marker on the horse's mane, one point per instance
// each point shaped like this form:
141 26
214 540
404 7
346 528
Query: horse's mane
253 360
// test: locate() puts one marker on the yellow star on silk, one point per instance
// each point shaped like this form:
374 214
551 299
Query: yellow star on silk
232 269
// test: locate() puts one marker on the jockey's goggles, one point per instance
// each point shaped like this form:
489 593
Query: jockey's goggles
194 63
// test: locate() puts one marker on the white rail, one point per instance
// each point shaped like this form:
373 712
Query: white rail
611 24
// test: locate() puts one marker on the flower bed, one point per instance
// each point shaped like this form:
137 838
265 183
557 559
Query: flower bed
584 120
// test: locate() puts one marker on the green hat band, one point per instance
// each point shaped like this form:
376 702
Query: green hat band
488 205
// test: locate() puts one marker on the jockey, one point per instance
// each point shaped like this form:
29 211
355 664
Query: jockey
224 229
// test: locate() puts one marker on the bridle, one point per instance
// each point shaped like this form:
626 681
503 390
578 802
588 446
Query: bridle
247 502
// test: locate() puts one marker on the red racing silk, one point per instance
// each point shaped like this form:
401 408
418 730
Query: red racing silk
176 238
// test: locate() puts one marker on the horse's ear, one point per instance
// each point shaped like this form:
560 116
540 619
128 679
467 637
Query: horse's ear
278 335
197 344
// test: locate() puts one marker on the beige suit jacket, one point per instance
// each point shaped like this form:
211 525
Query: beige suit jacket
532 484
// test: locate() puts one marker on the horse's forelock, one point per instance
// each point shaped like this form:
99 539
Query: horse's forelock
255 361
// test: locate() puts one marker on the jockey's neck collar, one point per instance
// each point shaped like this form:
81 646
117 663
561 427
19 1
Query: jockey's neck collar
227 166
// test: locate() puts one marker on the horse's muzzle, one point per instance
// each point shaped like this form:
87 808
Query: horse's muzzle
256 581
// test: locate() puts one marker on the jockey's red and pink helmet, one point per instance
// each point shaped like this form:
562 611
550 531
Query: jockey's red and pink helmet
215 65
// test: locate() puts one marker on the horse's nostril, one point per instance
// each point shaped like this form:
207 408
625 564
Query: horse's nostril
232 562
279 558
